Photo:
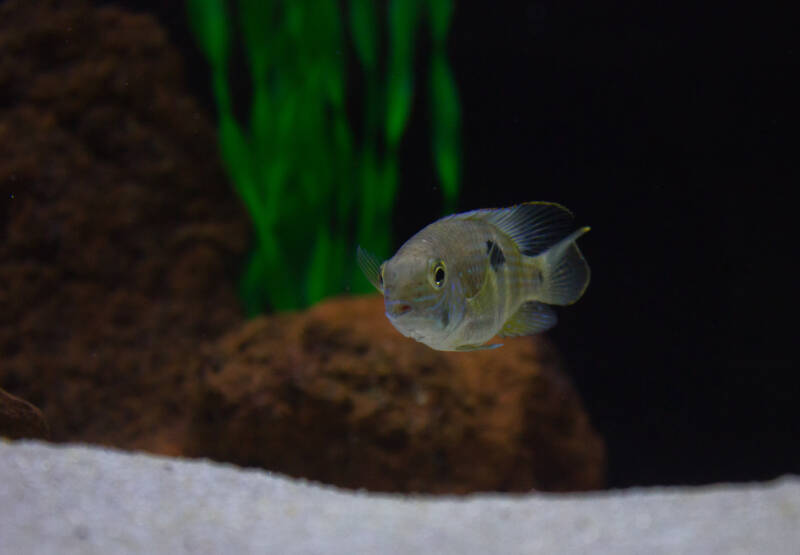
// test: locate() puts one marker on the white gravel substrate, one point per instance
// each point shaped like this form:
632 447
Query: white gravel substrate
81 499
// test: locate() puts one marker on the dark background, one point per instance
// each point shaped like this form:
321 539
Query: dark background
671 129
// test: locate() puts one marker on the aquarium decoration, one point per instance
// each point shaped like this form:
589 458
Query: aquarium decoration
314 188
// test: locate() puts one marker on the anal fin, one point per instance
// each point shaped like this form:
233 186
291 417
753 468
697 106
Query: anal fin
532 317
464 348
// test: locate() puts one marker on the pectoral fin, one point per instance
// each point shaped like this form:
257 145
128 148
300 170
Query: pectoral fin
531 318
371 267
482 300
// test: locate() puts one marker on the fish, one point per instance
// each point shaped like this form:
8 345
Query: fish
469 277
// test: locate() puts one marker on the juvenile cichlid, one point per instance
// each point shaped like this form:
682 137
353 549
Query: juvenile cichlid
468 277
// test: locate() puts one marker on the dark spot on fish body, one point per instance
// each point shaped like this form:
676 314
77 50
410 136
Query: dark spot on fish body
445 318
496 256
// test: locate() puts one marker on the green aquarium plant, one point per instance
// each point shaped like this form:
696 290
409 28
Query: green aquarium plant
312 190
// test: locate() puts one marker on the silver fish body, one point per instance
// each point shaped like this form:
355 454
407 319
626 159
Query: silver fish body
468 277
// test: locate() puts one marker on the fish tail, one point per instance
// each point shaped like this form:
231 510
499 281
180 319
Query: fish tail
562 272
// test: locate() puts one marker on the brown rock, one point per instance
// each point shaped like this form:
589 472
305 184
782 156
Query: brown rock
19 419
336 394
120 238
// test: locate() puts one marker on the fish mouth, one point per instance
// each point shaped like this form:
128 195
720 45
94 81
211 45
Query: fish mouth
397 308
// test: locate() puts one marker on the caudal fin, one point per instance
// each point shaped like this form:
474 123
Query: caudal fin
565 273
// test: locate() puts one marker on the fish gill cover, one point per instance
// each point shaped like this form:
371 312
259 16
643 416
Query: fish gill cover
312 190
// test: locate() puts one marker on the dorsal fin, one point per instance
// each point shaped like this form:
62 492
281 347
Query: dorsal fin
534 226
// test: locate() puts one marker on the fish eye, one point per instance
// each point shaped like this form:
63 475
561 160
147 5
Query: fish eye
438 275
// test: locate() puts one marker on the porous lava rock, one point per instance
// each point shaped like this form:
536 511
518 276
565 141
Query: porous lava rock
21 420
336 394
120 239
